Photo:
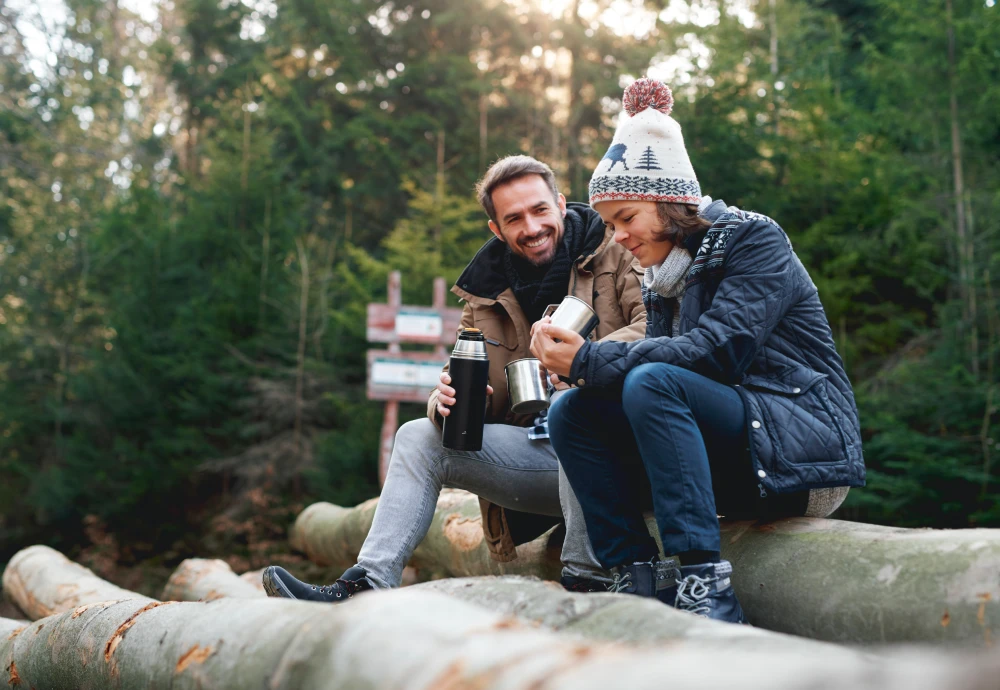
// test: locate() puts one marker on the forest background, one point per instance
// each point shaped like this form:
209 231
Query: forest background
198 198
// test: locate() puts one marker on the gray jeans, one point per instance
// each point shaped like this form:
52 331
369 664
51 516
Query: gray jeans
511 471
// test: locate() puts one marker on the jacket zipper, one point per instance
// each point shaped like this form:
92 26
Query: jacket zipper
763 494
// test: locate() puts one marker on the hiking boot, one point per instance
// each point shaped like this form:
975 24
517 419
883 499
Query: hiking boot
706 590
278 582
582 584
653 579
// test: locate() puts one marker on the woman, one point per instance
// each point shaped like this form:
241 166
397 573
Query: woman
736 402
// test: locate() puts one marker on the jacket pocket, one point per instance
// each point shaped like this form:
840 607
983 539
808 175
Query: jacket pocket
801 424
498 332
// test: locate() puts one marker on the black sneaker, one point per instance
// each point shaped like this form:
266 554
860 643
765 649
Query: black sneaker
706 590
278 582
653 579
582 584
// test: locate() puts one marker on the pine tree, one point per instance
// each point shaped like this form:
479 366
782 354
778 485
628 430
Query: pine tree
648 160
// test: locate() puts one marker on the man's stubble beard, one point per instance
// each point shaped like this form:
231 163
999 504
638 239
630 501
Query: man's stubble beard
558 234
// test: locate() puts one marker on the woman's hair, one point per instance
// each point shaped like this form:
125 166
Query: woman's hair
680 221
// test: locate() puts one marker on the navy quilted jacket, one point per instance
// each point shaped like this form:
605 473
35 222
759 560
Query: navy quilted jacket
751 318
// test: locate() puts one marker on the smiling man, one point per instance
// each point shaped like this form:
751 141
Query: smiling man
543 249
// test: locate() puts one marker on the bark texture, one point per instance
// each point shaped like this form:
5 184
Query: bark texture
852 582
616 617
454 545
824 579
42 582
415 640
204 579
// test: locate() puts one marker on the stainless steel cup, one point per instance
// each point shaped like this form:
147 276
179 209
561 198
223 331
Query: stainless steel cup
526 386
575 315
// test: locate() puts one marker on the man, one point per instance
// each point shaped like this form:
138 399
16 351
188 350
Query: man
543 250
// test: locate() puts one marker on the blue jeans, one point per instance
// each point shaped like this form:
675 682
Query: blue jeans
669 436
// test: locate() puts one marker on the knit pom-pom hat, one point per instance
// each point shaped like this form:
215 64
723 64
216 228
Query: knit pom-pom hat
647 160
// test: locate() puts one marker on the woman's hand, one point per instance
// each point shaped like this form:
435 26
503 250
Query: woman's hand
557 357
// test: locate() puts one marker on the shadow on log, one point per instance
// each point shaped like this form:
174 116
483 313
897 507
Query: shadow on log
824 579
417 640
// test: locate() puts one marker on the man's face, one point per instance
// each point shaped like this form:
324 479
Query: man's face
529 219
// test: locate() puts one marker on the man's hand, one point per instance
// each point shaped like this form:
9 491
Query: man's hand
557 357
446 394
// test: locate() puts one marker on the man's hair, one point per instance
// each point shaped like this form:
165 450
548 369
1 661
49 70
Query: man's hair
507 170
680 221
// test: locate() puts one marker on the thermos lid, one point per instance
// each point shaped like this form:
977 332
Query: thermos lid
471 344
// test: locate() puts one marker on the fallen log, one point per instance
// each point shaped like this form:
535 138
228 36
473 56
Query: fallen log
852 582
206 579
619 618
416 640
256 579
603 616
8 626
42 582
454 545
825 579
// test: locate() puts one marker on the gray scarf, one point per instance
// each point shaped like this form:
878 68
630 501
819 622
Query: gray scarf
667 280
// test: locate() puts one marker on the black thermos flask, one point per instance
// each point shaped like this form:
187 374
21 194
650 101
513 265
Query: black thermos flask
469 368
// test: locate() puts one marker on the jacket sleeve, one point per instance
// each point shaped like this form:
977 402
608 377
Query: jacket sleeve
432 413
628 287
751 299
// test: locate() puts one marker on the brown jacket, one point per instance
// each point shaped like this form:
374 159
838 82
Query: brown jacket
606 277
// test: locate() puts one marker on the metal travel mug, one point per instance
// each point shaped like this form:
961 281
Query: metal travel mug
469 368
526 386
575 315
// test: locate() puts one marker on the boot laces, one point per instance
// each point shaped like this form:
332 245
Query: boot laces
693 593
620 582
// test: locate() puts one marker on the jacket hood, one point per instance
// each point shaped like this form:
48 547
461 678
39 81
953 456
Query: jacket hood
484 276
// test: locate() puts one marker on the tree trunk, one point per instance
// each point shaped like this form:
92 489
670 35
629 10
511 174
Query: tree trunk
9 625
613 617
824 579
852 582
43 582
255 578
203 579
418 641
454 546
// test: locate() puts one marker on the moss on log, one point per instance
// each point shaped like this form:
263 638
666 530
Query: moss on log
454 545
206 579
415 640
42 582
825 579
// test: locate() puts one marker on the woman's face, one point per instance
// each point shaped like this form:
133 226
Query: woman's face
637 227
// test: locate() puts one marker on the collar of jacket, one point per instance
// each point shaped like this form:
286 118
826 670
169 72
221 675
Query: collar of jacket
483 280
711 214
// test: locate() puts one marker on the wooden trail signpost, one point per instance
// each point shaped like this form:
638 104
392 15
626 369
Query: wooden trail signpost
399 376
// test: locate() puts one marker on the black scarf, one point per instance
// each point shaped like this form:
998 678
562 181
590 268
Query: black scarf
536 287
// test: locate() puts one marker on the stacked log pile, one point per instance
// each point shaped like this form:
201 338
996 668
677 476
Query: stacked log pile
823 579
415 638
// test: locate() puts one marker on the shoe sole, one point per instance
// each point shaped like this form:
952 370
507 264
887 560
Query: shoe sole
274 586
